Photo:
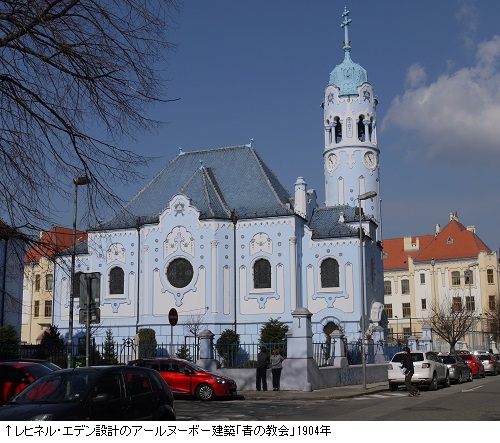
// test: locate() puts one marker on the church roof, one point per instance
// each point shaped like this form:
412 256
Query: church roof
217 181
348 76
327 222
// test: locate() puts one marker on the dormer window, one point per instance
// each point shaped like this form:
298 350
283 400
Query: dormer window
449 241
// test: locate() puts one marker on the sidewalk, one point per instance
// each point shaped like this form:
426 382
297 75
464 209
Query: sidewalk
320 394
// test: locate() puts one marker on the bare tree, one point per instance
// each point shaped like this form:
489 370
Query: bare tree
193 325
76 79
449 320
493 319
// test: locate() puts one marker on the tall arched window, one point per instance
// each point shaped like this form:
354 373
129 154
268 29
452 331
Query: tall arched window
116 281
361 128
338 130
329 271
262 274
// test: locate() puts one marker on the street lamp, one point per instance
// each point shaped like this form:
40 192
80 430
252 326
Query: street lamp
365 196
397 328
78 181
469 275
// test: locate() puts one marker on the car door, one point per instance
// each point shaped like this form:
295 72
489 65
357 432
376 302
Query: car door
110 400
175 375
144 398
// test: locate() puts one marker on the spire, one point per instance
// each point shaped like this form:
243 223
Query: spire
345 24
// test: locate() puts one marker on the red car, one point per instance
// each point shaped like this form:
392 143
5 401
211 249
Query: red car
16 375
475 364
189 380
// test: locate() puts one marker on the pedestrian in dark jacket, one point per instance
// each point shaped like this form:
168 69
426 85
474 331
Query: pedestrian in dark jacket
408 371
261 375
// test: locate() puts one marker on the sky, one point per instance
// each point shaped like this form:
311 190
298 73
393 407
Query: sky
257 70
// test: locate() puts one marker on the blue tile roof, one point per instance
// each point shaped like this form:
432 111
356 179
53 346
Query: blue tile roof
325 223
216 181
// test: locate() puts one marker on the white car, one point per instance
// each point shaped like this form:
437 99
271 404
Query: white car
429 369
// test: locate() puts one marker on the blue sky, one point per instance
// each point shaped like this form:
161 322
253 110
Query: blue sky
258 69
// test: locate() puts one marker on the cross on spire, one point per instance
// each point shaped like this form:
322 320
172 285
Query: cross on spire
345 24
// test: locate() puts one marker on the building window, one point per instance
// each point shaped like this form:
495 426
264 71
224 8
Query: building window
422 279
180 272
329 270
405 286
37 282
48 308
406 310
491 302
388 310
262 274
469 277
456 304
455 278
470 304
387 288
36 312
406 333
489 275
424 304
49 280
116 281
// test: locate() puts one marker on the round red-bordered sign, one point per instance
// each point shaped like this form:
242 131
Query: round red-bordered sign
173 317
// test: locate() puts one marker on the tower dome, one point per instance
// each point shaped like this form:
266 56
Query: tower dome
348 76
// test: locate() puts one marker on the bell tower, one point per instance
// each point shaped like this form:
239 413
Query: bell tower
351 154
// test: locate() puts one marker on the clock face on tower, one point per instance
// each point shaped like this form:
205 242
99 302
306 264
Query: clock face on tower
331 162
370 160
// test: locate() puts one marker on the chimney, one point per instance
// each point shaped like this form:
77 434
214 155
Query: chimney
301 197
472 229
438 230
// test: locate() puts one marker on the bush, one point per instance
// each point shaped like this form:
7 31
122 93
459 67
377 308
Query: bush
273 334
9 340
227 347
109 349
147 343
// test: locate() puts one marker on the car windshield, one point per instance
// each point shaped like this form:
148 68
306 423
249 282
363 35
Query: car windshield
484 357
63 387
416 356
37 371
466 357
195 367
448 359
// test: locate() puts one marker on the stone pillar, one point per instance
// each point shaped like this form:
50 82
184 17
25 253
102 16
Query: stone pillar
426 339
337 351
378 340
300 371
494 347
206 359
412 343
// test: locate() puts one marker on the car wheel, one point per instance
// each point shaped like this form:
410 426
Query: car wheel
484 374
447 382
470 378
393 387
205 392
434 383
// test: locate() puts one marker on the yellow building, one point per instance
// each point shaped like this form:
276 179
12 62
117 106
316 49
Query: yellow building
453 266
38 281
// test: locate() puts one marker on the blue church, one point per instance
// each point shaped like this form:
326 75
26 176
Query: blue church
217 236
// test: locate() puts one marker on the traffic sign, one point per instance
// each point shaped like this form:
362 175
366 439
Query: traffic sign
173 317
95 316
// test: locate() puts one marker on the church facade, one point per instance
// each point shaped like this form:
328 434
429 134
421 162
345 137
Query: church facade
216 236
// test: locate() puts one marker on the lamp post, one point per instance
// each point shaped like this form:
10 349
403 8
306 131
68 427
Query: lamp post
78 181
473 321
397 328
365 196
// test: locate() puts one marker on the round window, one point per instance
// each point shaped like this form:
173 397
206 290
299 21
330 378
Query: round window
179 273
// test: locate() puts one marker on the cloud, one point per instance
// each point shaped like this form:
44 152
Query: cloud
468 17
456 116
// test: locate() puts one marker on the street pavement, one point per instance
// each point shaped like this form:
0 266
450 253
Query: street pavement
319 394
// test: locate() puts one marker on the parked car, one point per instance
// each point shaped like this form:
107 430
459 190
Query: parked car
47 363
94 393
16 375
458 369
430 370
187 379
475 364
491 365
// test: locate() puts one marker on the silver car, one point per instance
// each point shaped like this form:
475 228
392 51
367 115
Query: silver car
491 364
458 369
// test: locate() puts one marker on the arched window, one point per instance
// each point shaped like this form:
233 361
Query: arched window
262 274
49 281
116 281
338 130
329 271
455 278
361 128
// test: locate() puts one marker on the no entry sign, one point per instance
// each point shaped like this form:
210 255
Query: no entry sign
173 317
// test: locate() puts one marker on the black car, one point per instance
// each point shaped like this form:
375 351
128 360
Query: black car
111 393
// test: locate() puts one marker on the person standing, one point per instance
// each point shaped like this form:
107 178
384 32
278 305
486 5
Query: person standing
408 371
261 375
276 368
